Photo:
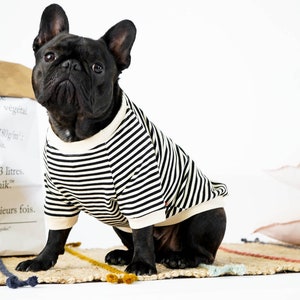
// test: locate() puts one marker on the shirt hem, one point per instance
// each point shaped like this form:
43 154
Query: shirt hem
59 223
217 202
147 220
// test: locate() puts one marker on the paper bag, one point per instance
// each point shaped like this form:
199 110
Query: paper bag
15 80
22 229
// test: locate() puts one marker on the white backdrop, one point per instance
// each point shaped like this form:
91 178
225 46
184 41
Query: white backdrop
221 78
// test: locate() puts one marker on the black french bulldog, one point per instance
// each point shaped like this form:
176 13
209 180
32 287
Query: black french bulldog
161 206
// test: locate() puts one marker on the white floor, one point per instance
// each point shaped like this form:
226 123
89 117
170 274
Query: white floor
273 287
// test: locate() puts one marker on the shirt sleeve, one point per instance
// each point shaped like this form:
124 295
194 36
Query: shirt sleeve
60 213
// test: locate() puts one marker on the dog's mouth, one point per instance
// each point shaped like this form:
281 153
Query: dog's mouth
65 92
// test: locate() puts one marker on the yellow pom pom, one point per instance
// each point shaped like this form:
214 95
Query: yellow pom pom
129 278
113 278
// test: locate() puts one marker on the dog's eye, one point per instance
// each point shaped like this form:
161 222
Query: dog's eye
97 68
49 57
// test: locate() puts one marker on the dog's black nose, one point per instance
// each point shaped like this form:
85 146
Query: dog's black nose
71 64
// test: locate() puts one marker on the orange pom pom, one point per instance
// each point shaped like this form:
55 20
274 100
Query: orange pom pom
129 278
113 278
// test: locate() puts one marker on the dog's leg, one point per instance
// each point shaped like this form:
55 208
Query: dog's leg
121 257
201 237
143 261
140 255
49 255
205 234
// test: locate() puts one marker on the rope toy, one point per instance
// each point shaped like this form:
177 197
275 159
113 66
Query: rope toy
13 281
115 275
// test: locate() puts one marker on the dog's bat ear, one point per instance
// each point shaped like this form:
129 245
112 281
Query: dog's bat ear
53 21
119 40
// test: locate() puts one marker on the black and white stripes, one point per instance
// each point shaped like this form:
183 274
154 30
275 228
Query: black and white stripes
129 174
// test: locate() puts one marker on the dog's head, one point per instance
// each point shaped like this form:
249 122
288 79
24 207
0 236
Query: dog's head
76 78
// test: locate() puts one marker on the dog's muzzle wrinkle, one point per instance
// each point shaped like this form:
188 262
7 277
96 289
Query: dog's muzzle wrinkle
66 92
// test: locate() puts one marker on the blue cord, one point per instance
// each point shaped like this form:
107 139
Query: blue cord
13 281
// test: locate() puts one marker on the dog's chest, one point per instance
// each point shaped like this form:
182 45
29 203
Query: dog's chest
110 181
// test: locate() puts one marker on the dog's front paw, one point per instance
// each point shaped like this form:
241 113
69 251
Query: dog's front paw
141 268
35 265
118 257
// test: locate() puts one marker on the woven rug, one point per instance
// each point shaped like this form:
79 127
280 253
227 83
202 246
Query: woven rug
232 259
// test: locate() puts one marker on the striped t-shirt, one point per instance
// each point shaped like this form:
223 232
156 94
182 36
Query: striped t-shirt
129 175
